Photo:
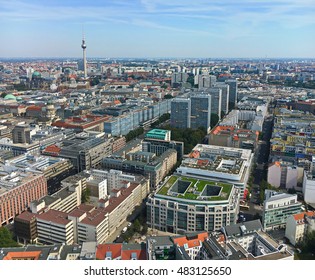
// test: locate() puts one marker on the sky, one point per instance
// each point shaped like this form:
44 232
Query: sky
158 28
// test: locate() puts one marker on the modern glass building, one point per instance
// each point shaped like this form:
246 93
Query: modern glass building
200 111
278 208
180 112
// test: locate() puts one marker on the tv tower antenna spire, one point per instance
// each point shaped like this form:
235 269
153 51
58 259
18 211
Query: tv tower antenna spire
83 46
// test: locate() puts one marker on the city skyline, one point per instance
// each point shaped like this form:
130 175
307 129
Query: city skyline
250 29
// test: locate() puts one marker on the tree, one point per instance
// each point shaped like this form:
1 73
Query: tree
308 247
264 185
137 226
6 239
214 120
144 229
168 96
161 119
95 81
190 137
134 133
86 193
291 191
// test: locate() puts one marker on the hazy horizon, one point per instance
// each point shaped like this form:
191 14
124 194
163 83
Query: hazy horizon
158 29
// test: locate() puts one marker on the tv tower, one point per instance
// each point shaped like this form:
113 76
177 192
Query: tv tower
83 46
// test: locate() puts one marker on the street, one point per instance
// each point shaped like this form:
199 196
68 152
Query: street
261 159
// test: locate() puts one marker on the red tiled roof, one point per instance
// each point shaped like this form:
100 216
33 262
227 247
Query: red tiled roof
30 255
202 162
300 216
26 216
52 149
95 217
55 216
181 241
86 207
124 194
220 128
34 108
102 249
194 154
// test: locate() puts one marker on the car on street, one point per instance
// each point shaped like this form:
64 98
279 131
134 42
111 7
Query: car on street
124 229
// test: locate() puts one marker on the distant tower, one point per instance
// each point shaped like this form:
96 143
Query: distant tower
50 110
83 46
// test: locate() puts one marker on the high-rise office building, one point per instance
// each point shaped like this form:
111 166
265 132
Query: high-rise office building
216 100
225 88
233 91
192 112
180 112
179 78
200 111
206 81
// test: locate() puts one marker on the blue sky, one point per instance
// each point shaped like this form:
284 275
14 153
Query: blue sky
158 28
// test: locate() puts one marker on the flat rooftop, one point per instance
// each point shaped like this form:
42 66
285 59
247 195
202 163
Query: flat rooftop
13 178
217 159
195 189
40 163
157 132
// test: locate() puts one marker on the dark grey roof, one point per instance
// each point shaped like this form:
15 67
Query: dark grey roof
133 246
70 249
160 241
236 252
243 228
213 249
181 254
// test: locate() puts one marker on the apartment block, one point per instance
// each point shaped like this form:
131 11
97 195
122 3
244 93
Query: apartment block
230 136
53 226
298 226
285 175
17 190
156 170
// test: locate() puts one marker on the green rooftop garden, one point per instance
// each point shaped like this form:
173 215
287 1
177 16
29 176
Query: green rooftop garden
177 186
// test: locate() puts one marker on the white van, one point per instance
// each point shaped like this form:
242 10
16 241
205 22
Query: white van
124 230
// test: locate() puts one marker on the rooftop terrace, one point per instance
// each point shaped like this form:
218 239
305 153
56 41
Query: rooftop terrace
195 189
